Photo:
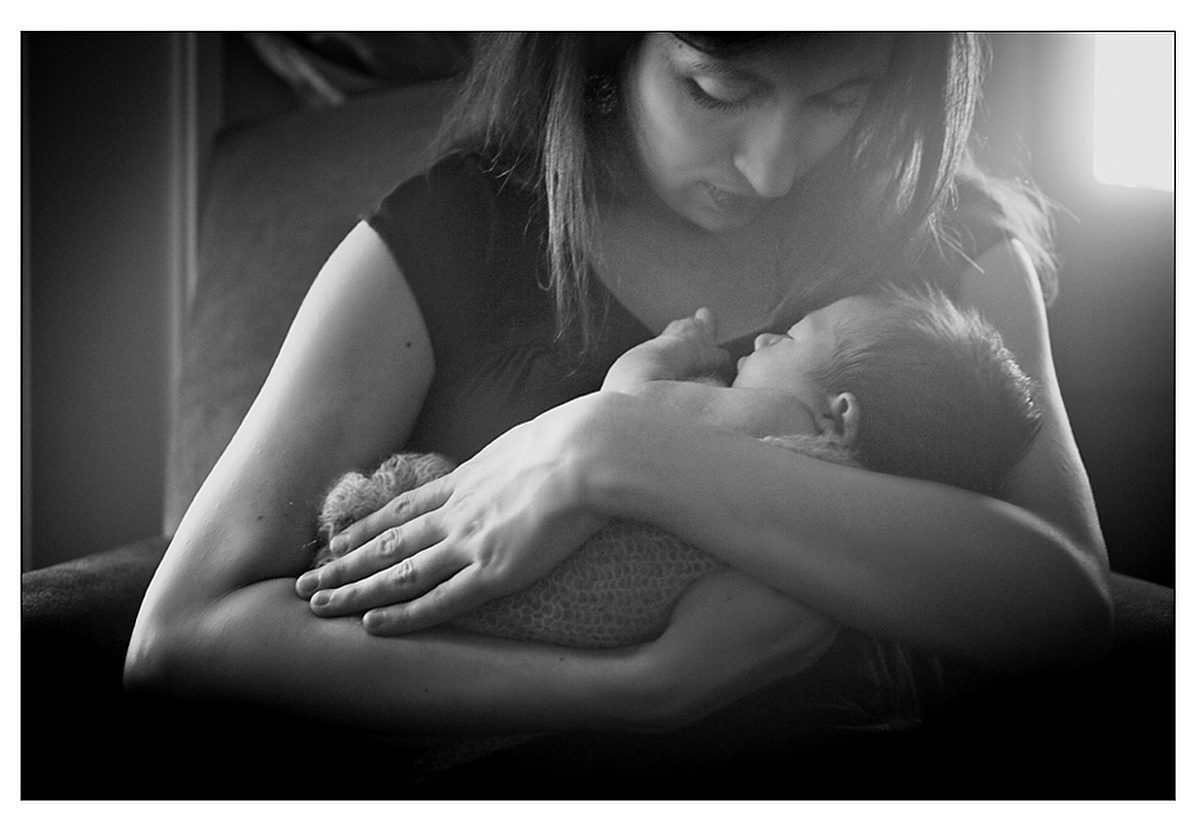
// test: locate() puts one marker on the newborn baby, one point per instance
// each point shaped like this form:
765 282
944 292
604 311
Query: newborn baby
846 384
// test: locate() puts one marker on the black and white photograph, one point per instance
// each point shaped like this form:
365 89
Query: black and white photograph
598 415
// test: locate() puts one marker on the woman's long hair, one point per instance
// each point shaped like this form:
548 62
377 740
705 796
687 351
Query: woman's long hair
529 106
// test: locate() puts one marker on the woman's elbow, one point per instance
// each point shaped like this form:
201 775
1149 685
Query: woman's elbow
167 651
152 659
1075 626
1092 632
1086 608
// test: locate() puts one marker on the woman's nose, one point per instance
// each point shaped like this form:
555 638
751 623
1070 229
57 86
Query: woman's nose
768 339
769 155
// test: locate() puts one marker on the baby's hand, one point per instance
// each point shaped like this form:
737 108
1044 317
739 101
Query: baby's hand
701 326
691 344
687 348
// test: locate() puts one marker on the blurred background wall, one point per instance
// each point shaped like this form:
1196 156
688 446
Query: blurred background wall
101 192
97 200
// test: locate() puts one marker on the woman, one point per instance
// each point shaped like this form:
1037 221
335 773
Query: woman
639 178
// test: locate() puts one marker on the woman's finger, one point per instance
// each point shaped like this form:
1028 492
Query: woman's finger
443 602
408 578
403 508
393 545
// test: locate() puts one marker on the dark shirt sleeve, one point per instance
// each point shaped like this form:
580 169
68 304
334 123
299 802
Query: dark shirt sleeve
974 224
439 227
470 244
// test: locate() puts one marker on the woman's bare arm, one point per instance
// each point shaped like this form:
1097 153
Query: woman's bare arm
1050 481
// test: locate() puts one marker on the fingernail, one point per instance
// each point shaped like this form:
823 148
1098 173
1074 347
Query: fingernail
320 598
307 583
337 545
373 620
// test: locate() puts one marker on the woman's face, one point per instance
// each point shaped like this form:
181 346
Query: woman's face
720 140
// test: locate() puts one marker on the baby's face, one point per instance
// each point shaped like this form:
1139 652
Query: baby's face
786 362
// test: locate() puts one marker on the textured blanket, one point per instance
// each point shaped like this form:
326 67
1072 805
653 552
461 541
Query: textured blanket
617 589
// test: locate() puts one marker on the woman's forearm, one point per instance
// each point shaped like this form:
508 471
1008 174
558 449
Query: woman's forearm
923 564
260 644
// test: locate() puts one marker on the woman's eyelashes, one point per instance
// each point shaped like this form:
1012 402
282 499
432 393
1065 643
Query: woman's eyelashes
716 94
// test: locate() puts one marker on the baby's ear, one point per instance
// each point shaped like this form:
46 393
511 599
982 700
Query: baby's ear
840 420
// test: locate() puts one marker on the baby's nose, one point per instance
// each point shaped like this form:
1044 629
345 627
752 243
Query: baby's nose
764 340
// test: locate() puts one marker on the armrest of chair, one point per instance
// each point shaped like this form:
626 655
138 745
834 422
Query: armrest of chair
87 606
76 620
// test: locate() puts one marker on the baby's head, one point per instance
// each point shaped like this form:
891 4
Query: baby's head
911 384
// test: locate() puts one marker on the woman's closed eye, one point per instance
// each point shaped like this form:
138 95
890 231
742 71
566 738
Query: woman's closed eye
717 93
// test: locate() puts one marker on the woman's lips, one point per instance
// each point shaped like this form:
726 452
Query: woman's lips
733 202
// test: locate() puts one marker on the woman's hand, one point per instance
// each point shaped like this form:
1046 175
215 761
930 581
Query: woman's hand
728 636
492 526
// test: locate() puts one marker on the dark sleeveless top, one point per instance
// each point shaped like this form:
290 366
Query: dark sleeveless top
472 247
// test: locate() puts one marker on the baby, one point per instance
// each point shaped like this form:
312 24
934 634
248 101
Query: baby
898 382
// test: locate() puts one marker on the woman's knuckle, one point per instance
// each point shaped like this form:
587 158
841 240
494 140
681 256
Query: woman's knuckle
400 504
389 542
404 573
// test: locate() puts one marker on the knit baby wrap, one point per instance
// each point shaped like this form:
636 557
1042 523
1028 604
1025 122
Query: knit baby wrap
617 589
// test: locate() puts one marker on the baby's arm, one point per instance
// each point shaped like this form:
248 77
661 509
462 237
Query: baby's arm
686 349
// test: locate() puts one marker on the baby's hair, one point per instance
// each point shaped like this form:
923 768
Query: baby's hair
940 396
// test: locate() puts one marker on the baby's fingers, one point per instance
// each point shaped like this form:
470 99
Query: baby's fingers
707 321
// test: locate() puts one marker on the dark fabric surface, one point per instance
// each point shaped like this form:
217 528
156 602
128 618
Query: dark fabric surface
76 619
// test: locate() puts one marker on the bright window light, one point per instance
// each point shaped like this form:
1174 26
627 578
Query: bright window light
1135 110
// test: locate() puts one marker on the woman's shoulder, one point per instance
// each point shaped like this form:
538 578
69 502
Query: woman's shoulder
991 213
458 207
986 214
456 184
975 220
